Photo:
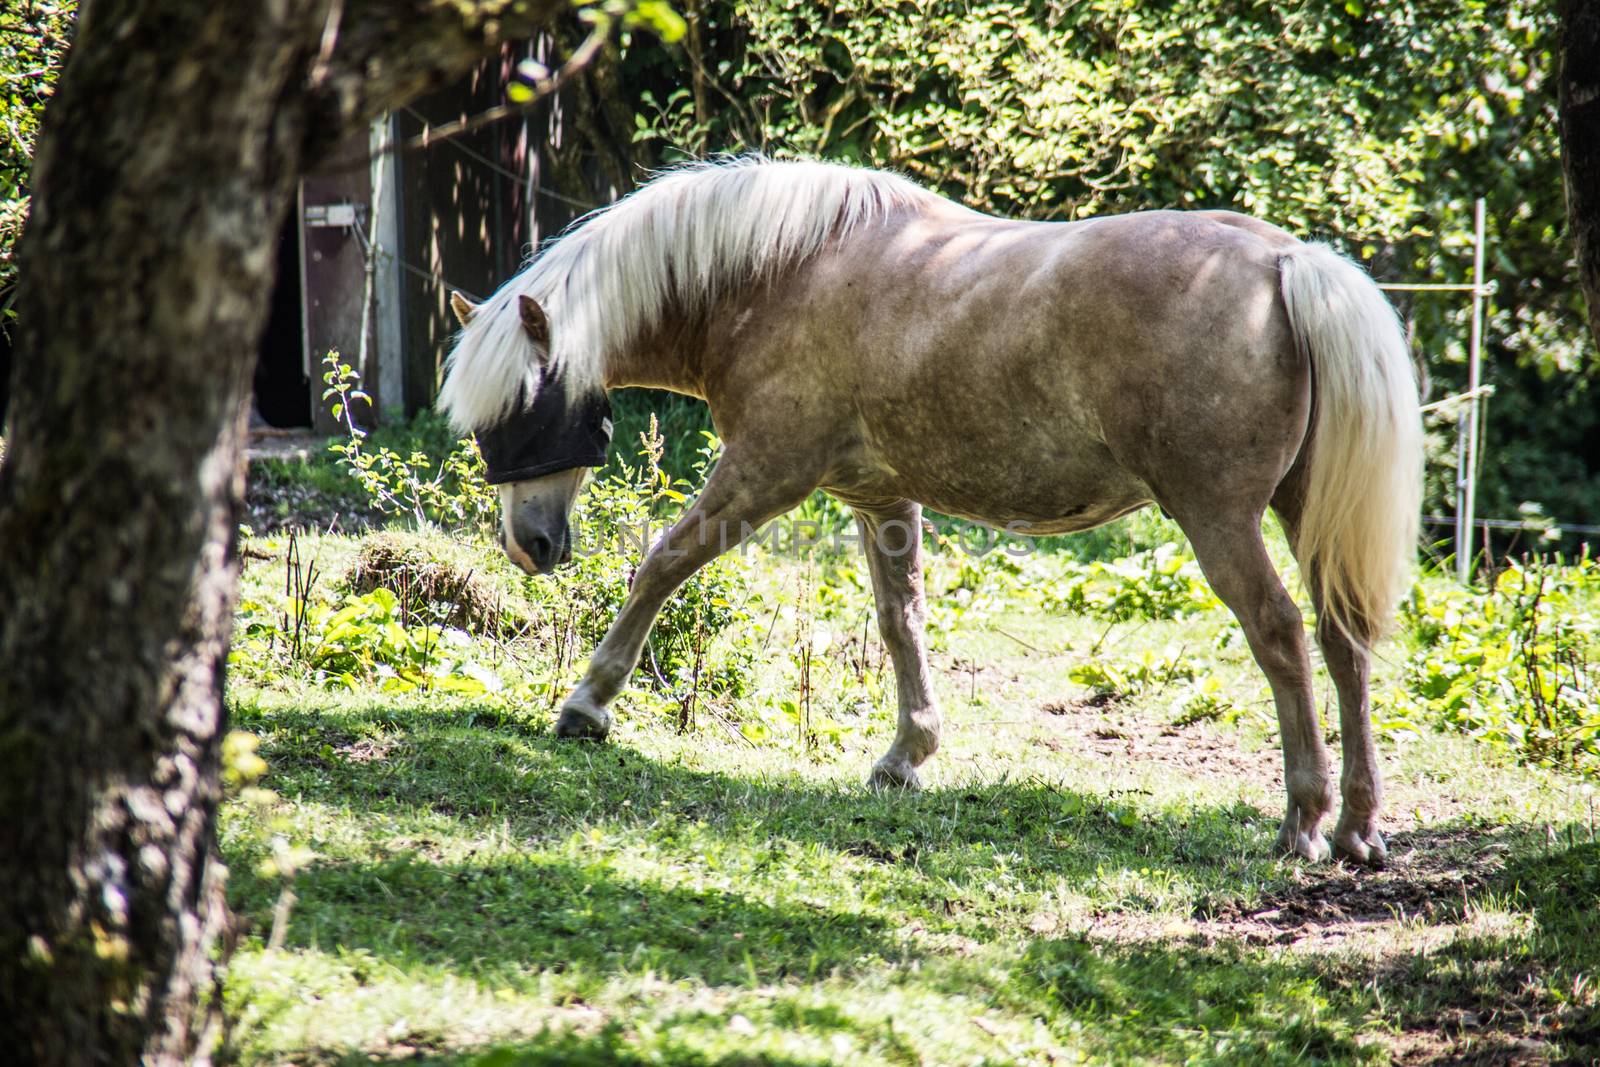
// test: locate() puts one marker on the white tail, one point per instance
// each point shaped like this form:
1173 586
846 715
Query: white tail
1358 530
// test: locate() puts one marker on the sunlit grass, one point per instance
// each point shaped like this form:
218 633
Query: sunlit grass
692 898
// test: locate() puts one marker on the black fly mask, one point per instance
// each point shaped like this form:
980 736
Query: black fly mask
547 437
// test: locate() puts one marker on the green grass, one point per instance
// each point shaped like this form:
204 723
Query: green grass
1082 881
485 894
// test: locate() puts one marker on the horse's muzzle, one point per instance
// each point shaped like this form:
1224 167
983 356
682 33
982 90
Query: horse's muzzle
537 549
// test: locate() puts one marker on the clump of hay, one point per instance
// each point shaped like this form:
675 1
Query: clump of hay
430 589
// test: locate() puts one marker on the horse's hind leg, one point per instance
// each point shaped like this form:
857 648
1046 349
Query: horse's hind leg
1356 836
891 537
1235 561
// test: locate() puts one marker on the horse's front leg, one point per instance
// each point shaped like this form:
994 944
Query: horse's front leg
739 497
891 537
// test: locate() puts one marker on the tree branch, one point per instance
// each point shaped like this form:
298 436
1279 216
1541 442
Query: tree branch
387 52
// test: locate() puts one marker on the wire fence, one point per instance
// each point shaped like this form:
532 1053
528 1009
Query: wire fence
1539 526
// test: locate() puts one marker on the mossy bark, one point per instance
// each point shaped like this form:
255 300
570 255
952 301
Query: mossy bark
167 161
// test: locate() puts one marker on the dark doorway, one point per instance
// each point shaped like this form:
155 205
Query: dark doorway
283 393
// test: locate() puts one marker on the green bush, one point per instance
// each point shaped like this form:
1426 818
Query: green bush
624 510
1516 666
361 640
1125 678
447 489
1160 583
1373 123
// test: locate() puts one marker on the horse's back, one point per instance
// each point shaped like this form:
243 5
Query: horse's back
1056 374
1198 380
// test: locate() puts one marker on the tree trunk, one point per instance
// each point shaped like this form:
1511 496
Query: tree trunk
163 173
1579 103
168 158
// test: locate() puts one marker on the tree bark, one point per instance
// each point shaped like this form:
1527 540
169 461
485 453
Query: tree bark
167 161
1579 103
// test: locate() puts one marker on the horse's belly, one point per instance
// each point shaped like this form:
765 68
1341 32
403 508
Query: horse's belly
1032 514
1046 485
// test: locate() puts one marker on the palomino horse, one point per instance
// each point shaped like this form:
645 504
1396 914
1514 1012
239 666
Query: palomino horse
854 332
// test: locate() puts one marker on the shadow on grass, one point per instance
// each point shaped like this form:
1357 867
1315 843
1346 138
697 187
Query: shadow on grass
1549 977
1218 1004
1494 994
559 900
611 1047
481 770
558 906
511 915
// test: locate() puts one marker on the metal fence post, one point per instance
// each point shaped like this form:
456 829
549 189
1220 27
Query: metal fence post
1467 440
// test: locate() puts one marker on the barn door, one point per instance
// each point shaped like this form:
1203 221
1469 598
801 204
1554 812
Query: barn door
335 228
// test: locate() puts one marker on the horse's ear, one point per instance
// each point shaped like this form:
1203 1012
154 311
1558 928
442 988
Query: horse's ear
463 307
536 323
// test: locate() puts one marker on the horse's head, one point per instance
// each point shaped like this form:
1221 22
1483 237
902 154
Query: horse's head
539 455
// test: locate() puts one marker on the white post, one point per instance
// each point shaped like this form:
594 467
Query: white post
384 233
1467 439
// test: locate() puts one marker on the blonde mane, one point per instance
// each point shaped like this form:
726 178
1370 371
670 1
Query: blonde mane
681 241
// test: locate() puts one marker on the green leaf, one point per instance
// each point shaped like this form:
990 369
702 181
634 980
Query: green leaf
660 17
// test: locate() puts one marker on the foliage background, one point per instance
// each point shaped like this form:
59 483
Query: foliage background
33 42
709 888
1370 124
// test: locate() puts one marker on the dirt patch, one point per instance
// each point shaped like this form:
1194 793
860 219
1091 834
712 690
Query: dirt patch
294 443
1431 878
276 509
1467 1048
286 487
273 506
1094 702
1420 904
1101 724
1385 924
367 750
879 853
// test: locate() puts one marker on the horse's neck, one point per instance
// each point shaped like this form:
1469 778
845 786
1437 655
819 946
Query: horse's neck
669 356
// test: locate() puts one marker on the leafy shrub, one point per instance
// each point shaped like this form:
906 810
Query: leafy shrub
614 524
361 640
450 491
965 590
1160 583
1150 671
1204 701
1513 666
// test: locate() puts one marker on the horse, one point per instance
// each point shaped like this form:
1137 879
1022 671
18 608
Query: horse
855 332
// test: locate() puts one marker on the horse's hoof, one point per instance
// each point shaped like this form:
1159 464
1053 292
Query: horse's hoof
894 774
1312 847
1363 850
579 725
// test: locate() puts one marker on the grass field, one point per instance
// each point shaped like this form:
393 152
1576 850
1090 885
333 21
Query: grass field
1088 878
